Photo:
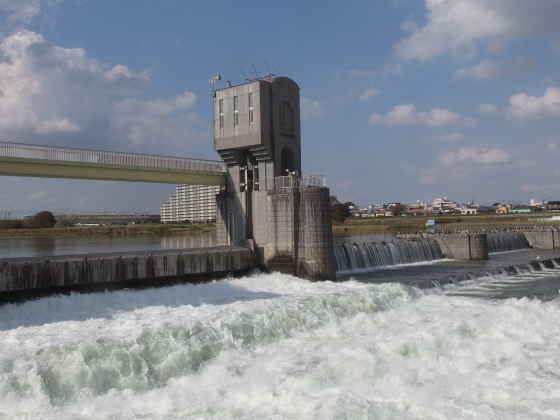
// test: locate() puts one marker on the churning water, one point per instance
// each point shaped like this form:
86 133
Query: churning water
273 346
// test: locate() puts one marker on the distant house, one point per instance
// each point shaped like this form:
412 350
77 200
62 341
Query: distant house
521 209
468 210
505 208
553 206
384 213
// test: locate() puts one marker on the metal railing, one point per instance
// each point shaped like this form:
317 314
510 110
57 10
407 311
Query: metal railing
68 154
314 181
292 181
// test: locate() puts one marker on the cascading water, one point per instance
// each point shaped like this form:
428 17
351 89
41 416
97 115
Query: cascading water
351 257
507 242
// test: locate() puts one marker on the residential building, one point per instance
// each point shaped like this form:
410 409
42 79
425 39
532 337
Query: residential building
194 203
521 209
444 204
553 206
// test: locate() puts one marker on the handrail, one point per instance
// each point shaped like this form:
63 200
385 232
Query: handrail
69 154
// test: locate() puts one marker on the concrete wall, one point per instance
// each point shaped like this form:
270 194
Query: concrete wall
462 246
543 238
19 274
300 233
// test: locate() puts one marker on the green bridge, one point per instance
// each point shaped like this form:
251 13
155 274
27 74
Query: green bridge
18 159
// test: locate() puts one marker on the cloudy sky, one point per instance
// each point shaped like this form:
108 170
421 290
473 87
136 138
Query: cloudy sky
402 100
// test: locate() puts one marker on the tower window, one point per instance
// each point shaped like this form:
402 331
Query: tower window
250 108
221 113
286 119
235 110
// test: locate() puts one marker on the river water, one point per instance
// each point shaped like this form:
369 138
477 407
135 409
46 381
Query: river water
271 346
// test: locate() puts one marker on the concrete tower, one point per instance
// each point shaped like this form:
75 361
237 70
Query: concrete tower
257 134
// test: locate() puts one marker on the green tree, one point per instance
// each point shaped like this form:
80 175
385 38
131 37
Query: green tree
43 219
397 210
339 212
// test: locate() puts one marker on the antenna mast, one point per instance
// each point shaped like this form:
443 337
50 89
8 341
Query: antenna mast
267 75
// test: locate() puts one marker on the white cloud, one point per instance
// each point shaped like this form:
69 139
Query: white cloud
50 93
24 11
531 108
547 81
553 147
39 194
488 69
528 186
527 163
457 27
311 109
407 115
470 156
153 125
369 93
526 108
488 109
57 126
448 138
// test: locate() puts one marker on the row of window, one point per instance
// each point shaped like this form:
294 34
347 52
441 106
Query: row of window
236 110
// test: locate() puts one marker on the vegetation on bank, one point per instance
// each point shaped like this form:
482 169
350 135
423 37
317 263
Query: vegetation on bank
146 229
39 224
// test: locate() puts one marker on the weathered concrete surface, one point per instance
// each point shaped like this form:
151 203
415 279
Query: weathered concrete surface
543 238
40 273
300 233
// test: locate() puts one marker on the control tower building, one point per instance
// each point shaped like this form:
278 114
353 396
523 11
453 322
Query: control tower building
267 205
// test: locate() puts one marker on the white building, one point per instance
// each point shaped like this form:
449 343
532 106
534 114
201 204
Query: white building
444 204
195 203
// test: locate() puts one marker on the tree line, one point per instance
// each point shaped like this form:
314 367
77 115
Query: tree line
42 220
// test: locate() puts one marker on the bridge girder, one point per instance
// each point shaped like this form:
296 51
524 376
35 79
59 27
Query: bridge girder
41 168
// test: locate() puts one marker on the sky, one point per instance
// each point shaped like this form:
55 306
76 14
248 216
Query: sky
402 100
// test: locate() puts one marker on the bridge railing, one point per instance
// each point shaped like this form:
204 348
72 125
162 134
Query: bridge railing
68 154
292 181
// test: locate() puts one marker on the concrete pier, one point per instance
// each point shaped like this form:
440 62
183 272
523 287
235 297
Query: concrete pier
72 272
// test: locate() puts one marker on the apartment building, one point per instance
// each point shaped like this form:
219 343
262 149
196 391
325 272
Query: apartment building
195 203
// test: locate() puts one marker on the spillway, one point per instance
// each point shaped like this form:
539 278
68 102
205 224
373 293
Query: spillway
350 257
507 242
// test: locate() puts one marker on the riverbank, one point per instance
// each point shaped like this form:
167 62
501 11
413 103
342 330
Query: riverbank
145 229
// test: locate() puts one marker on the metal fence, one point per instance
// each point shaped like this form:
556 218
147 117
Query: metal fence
68 154
292 181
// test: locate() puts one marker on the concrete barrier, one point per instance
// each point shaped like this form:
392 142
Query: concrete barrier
18 275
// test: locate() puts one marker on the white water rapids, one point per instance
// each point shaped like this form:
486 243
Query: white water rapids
273 346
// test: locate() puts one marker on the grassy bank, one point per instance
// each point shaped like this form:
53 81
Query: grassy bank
156 229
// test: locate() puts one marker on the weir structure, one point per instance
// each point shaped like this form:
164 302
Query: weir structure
478 245
269 216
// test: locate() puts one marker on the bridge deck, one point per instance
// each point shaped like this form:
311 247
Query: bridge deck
19 159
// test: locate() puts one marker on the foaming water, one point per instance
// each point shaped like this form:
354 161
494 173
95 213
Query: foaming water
273 346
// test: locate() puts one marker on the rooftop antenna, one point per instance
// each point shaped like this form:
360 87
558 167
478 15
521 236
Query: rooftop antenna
277 67
266 67
241 67
256 74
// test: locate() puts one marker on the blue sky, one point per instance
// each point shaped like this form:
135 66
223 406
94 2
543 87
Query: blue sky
402 100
